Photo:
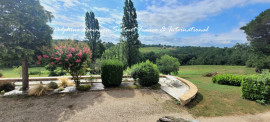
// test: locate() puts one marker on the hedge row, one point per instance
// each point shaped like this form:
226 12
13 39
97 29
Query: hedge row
229 79
257 87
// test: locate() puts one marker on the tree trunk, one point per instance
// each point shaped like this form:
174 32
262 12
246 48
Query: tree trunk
25 76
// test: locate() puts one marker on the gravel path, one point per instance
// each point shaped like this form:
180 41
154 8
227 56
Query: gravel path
105 106
114 106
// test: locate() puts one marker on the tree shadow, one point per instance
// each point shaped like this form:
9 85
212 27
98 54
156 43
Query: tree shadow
198 98
56 107
120 93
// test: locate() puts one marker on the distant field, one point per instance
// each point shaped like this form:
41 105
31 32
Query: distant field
10 73
218 100
155 49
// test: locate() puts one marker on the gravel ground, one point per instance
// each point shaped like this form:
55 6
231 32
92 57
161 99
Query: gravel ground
114 105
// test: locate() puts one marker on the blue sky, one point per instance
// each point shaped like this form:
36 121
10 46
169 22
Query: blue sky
223 17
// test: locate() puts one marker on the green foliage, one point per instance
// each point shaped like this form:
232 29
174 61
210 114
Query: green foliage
52 85
146 73
257 32
3 92
73 57
236 55
84 87
33 72
92 33
111 72
1 74
257 87
168 64
116 52
130 33
7 86
229 79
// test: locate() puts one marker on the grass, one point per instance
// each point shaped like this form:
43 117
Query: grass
155 49
10 73
218 100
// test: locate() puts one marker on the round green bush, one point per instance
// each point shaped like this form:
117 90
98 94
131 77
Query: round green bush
52 85
168 64
111 72
147 73
84 87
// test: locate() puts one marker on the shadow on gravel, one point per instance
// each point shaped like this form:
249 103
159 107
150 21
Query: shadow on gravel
49 108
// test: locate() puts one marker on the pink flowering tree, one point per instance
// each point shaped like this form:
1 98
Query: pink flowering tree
72 57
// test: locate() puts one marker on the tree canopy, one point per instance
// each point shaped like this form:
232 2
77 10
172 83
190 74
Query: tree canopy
23 30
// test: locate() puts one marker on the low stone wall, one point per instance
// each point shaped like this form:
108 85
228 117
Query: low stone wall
184 99
190 94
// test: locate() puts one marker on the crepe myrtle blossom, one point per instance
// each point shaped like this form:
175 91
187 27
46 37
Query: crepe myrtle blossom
73 60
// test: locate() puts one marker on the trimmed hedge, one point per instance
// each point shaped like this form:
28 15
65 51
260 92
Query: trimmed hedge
111 72
146 73
257 87
229 79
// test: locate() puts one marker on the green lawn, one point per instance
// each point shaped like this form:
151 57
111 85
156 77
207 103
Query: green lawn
218 100
155 49
10 73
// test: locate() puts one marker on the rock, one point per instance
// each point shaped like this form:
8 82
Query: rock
14 92
69 89
172 119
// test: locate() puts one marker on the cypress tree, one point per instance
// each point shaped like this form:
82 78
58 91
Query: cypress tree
130 33
92 32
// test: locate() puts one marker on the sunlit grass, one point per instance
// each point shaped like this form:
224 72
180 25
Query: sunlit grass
218 100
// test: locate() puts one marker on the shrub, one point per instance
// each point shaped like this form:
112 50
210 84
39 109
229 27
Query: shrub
146 73
7 86
84 87
52 85
37 90
33 72
3 92
73 57
257 87
229 79
64 82
1 74
168 64
111 72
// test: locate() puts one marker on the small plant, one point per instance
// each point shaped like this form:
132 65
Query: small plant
7 86
111 72
37 90
1 74
84 87
65 82
146 73
3 92
61 89
52 85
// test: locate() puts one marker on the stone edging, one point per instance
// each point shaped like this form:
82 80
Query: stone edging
190 94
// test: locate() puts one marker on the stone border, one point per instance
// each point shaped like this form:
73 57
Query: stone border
184 99
190 94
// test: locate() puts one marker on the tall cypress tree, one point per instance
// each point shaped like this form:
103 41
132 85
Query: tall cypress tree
130 33
92 32
23 30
